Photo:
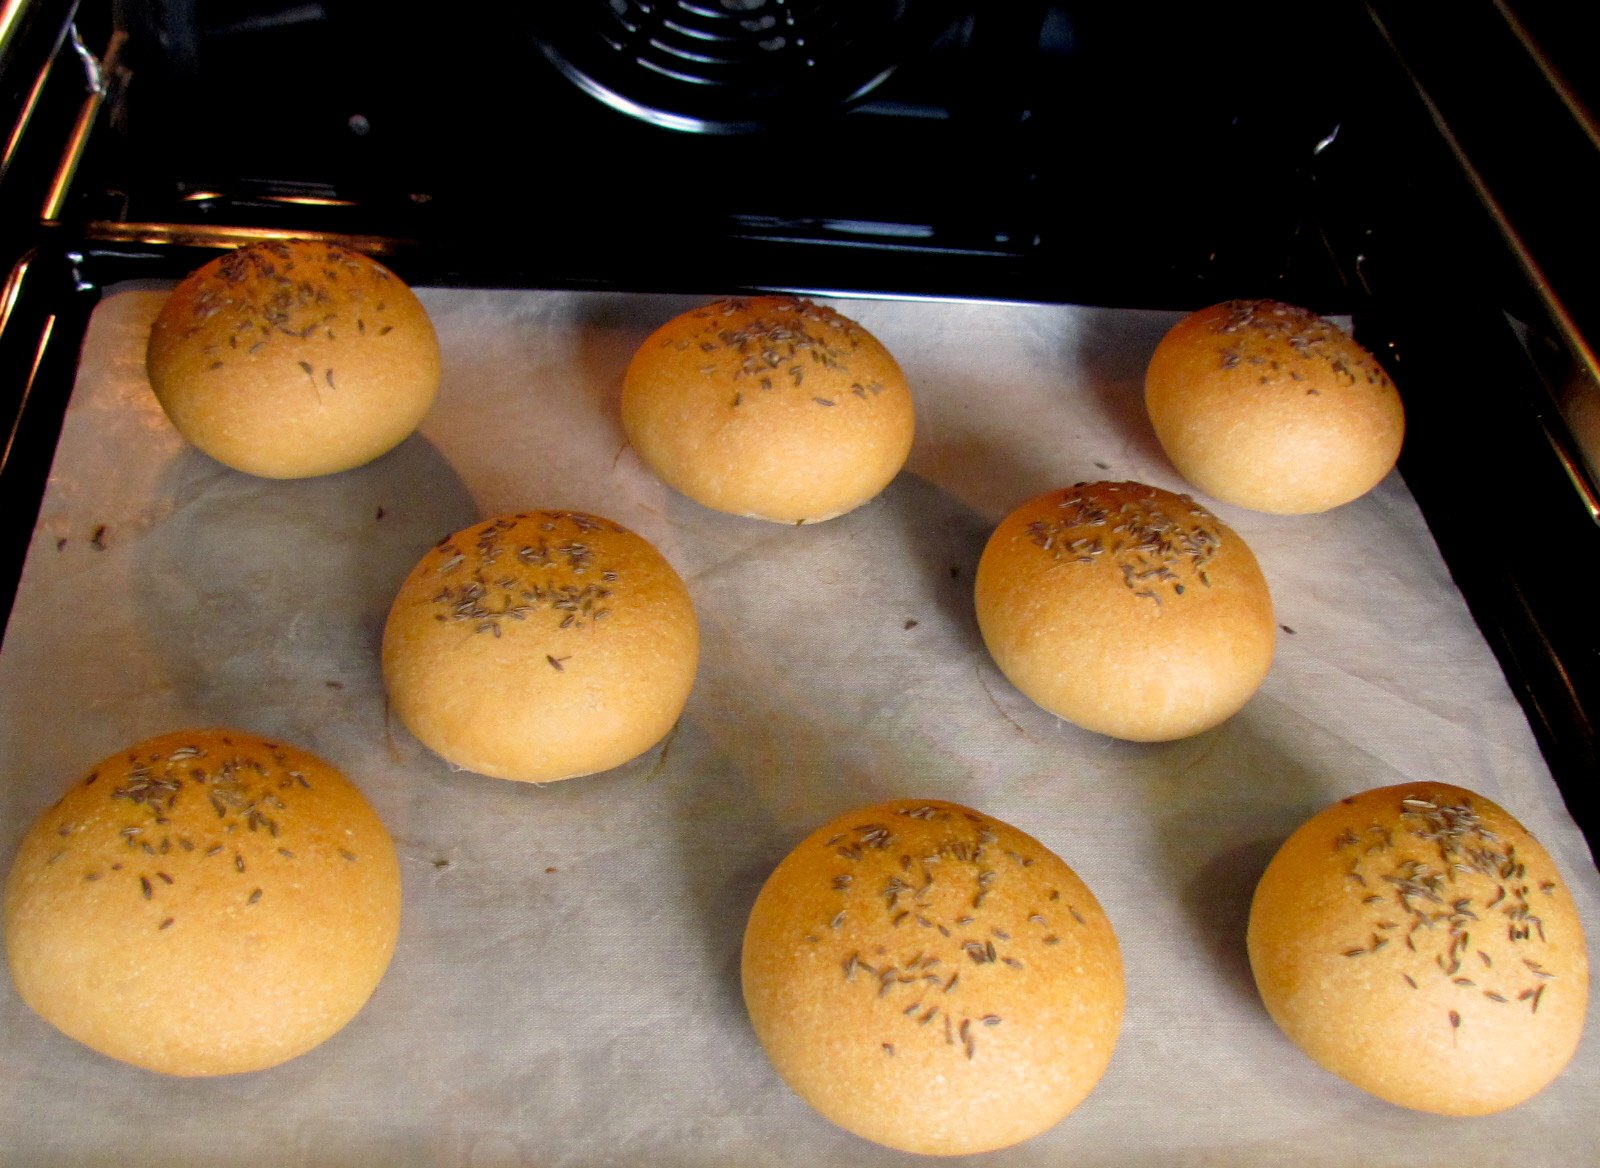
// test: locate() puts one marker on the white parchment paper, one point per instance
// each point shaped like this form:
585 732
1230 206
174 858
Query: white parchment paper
565 990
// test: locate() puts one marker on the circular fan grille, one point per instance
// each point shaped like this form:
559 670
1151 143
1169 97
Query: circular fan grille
726 65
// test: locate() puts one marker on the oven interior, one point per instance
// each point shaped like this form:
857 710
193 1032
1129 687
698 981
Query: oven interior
1343 156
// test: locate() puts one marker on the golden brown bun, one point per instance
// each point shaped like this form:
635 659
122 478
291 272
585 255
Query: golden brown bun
204 903
292 359
1271 407
771 407
1125 609
932 979
1419 943
541 646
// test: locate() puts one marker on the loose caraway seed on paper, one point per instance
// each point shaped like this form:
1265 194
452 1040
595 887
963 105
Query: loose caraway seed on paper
566 988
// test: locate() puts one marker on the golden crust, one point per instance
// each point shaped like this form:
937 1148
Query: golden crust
1125 609
1416 941
541 646
1270 407
203 903
932 979
771 407
292 359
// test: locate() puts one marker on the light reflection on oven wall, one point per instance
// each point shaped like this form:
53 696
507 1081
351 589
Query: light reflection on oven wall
1571 410
1580 409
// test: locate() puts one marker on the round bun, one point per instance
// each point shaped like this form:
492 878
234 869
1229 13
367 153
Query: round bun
292 359
932 979
771 407
203 903
1125 609
1419 943
1271 407
541 646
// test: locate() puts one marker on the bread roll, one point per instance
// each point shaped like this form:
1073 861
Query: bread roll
1271 407
541 646
932 979
771 407
1418 942
203 903
292 358
1125 609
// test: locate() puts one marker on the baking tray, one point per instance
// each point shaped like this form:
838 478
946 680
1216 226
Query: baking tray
565 990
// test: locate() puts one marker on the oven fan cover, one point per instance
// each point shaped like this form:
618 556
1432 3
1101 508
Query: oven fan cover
733 66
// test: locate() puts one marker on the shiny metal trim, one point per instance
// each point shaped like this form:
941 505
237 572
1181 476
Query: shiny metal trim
1577 344
27 387
25 117
12 290
10 18
31 105
1553 76
1574 470
10 294
96 72
189 235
